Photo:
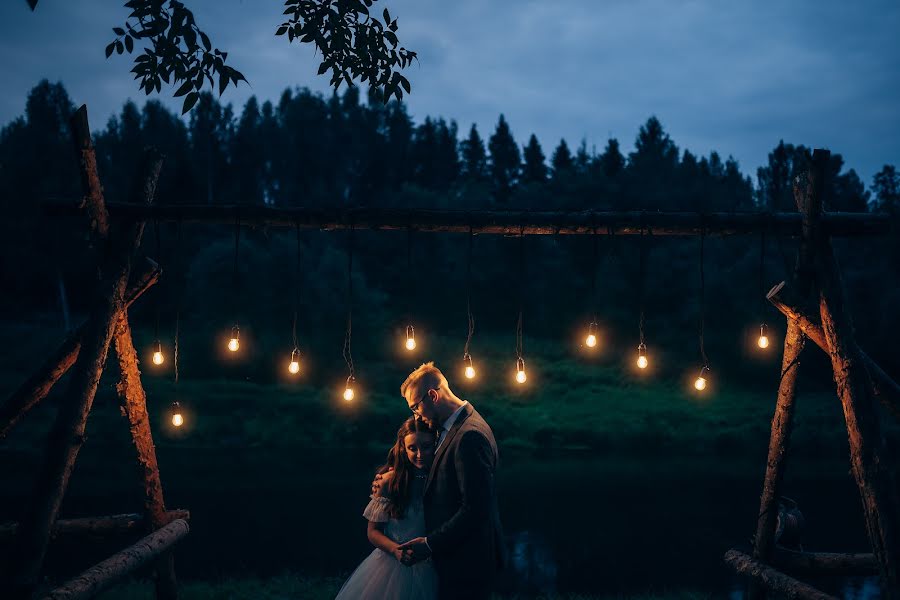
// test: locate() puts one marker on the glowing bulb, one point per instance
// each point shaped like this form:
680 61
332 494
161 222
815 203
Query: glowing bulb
470 372
410 338
763 341
294 365
520 370
348 391
177 417
642 361
700 382
158 357
591 340
234 343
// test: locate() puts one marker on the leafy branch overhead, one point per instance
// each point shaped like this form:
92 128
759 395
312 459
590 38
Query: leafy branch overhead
175 51
354 44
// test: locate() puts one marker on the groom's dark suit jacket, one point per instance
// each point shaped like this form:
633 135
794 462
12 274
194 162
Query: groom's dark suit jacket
461 514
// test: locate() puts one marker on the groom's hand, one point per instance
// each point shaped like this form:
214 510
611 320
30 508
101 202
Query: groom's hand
414 551
377 483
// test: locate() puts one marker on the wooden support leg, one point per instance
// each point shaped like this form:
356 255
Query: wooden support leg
771 580
36 387
134 405
873 477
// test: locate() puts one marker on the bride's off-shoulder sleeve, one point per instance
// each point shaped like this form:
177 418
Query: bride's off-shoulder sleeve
378 509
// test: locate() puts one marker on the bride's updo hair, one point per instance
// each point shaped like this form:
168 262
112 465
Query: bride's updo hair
398 485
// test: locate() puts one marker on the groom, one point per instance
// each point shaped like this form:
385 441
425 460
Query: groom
464 537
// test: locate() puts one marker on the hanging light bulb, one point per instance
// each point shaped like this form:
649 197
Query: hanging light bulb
700 382
591 340
294 365
177 417
642 361
234 343
348 391
763 341
158 357
410 338
520 370
470 370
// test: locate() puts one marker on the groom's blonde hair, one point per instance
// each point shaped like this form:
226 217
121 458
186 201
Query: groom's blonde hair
427 377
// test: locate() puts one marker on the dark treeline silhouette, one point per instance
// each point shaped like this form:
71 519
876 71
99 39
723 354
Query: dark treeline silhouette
343 150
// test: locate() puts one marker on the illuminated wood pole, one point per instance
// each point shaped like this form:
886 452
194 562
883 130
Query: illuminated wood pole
783 419
877 489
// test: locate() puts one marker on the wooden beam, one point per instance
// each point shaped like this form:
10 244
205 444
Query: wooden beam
785 404
824 563
106 526
873 476
67 434
105 574
496 222
35 388
885 389
774 582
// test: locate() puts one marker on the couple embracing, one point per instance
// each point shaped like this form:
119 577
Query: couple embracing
433 515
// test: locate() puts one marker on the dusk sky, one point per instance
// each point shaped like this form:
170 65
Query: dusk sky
728 76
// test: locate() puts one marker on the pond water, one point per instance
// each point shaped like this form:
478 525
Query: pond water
602 525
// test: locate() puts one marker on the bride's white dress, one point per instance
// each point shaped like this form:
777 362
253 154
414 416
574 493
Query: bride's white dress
380 576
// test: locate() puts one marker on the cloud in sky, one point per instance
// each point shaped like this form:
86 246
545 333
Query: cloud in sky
735 77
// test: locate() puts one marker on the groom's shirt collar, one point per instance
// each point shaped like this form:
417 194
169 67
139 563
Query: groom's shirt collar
452 419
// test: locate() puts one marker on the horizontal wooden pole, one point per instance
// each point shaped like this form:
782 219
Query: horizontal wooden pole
97 526
774 582
36 387
103 575
507 222
885 389
825 563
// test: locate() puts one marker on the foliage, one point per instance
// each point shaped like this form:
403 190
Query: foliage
354 46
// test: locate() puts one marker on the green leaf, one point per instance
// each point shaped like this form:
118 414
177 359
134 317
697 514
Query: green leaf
190 101
129 43
281 30
110 48
205 40
119 47
119 31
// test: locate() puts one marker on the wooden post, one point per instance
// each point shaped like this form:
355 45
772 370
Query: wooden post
884 388
824 563
873 477
67 434
97 527
134 405
36 387
783 419
771 580
103 575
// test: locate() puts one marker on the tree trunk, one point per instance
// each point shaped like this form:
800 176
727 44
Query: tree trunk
773 582
98 527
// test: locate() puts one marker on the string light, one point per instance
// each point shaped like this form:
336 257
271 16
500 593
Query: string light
701 382
520 350
590 339
177 417
410 338
234 342
158 357
348 356
469 368
642 360
410 343
763 340
294 364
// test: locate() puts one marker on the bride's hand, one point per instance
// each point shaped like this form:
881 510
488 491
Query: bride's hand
398 554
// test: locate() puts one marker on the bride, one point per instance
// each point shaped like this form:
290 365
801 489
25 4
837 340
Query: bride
395 516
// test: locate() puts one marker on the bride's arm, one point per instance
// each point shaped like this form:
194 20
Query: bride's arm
376 535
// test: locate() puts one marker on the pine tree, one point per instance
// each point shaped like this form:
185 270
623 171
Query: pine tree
504 162
612 162
474 157
534 170
562 163
886 186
